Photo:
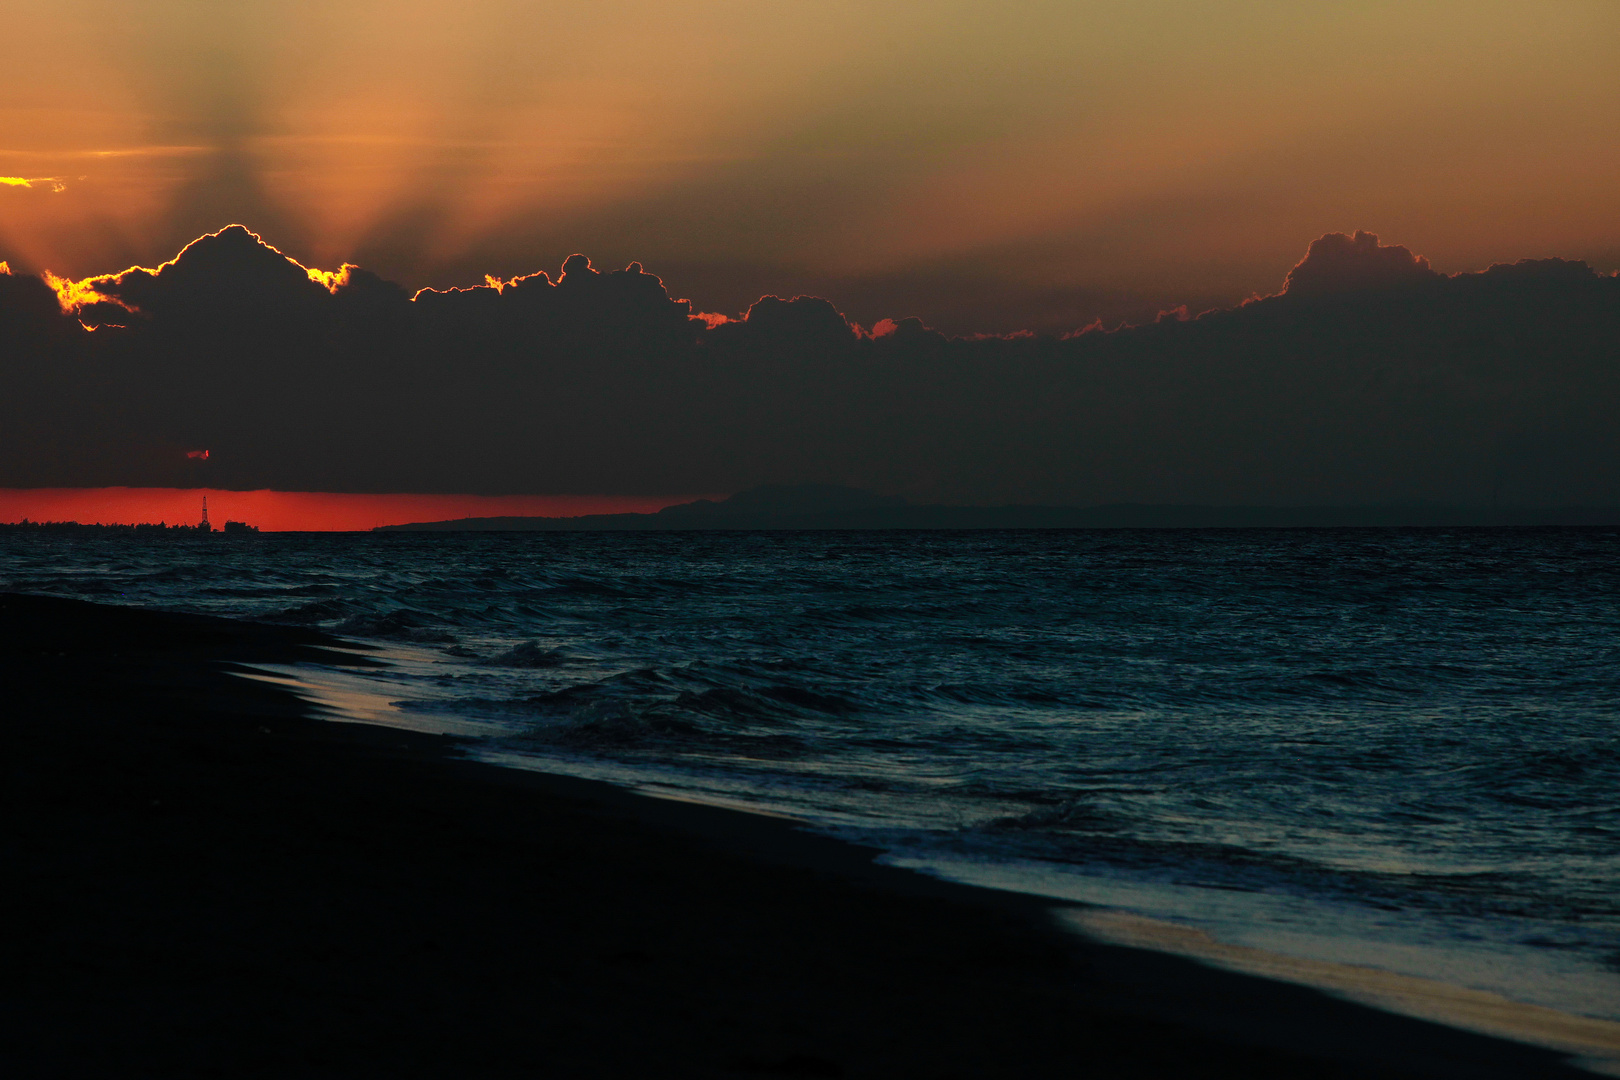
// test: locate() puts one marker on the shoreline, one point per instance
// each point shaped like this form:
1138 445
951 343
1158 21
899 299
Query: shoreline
1381 973
216 880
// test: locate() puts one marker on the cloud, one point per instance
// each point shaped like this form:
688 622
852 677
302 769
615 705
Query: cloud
802 323
57 183
1368 378
1337 263
210 278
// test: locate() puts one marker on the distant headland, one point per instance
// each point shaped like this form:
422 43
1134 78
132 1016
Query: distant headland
827 506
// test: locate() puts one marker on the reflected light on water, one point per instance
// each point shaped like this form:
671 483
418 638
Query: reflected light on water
352 697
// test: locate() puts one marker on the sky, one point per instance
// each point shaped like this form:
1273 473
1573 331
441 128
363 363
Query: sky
288 511
985 166
1348 189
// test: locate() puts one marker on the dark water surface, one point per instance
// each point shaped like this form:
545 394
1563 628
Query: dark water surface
1390 747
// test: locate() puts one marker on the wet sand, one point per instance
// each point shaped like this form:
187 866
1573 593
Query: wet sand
206 880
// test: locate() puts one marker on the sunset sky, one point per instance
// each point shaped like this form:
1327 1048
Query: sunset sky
297 511
988 166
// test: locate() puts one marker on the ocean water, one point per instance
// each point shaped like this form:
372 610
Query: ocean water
1395 748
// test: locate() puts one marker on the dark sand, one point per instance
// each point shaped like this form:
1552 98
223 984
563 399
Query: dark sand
203 880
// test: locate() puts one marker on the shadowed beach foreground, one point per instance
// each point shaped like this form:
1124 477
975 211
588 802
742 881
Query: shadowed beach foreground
207 880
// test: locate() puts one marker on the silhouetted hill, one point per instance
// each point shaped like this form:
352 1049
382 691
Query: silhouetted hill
822 506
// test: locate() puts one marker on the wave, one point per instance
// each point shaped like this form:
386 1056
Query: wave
1409 721
396 625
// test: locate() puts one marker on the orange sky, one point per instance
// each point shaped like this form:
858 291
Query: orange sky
932 157
295 511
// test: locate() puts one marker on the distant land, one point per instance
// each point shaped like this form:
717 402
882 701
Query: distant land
826 506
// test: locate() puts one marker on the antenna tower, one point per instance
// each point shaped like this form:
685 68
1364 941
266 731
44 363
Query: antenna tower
205 510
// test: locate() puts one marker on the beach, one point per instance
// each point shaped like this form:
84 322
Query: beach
208 880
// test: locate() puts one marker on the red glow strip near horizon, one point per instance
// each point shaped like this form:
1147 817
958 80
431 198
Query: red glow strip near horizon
300 511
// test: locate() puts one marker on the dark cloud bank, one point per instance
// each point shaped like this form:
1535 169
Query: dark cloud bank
1369 379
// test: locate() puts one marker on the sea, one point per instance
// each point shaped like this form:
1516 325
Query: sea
1392 748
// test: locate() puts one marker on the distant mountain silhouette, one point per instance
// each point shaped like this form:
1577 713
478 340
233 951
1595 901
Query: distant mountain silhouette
826 506
785 500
